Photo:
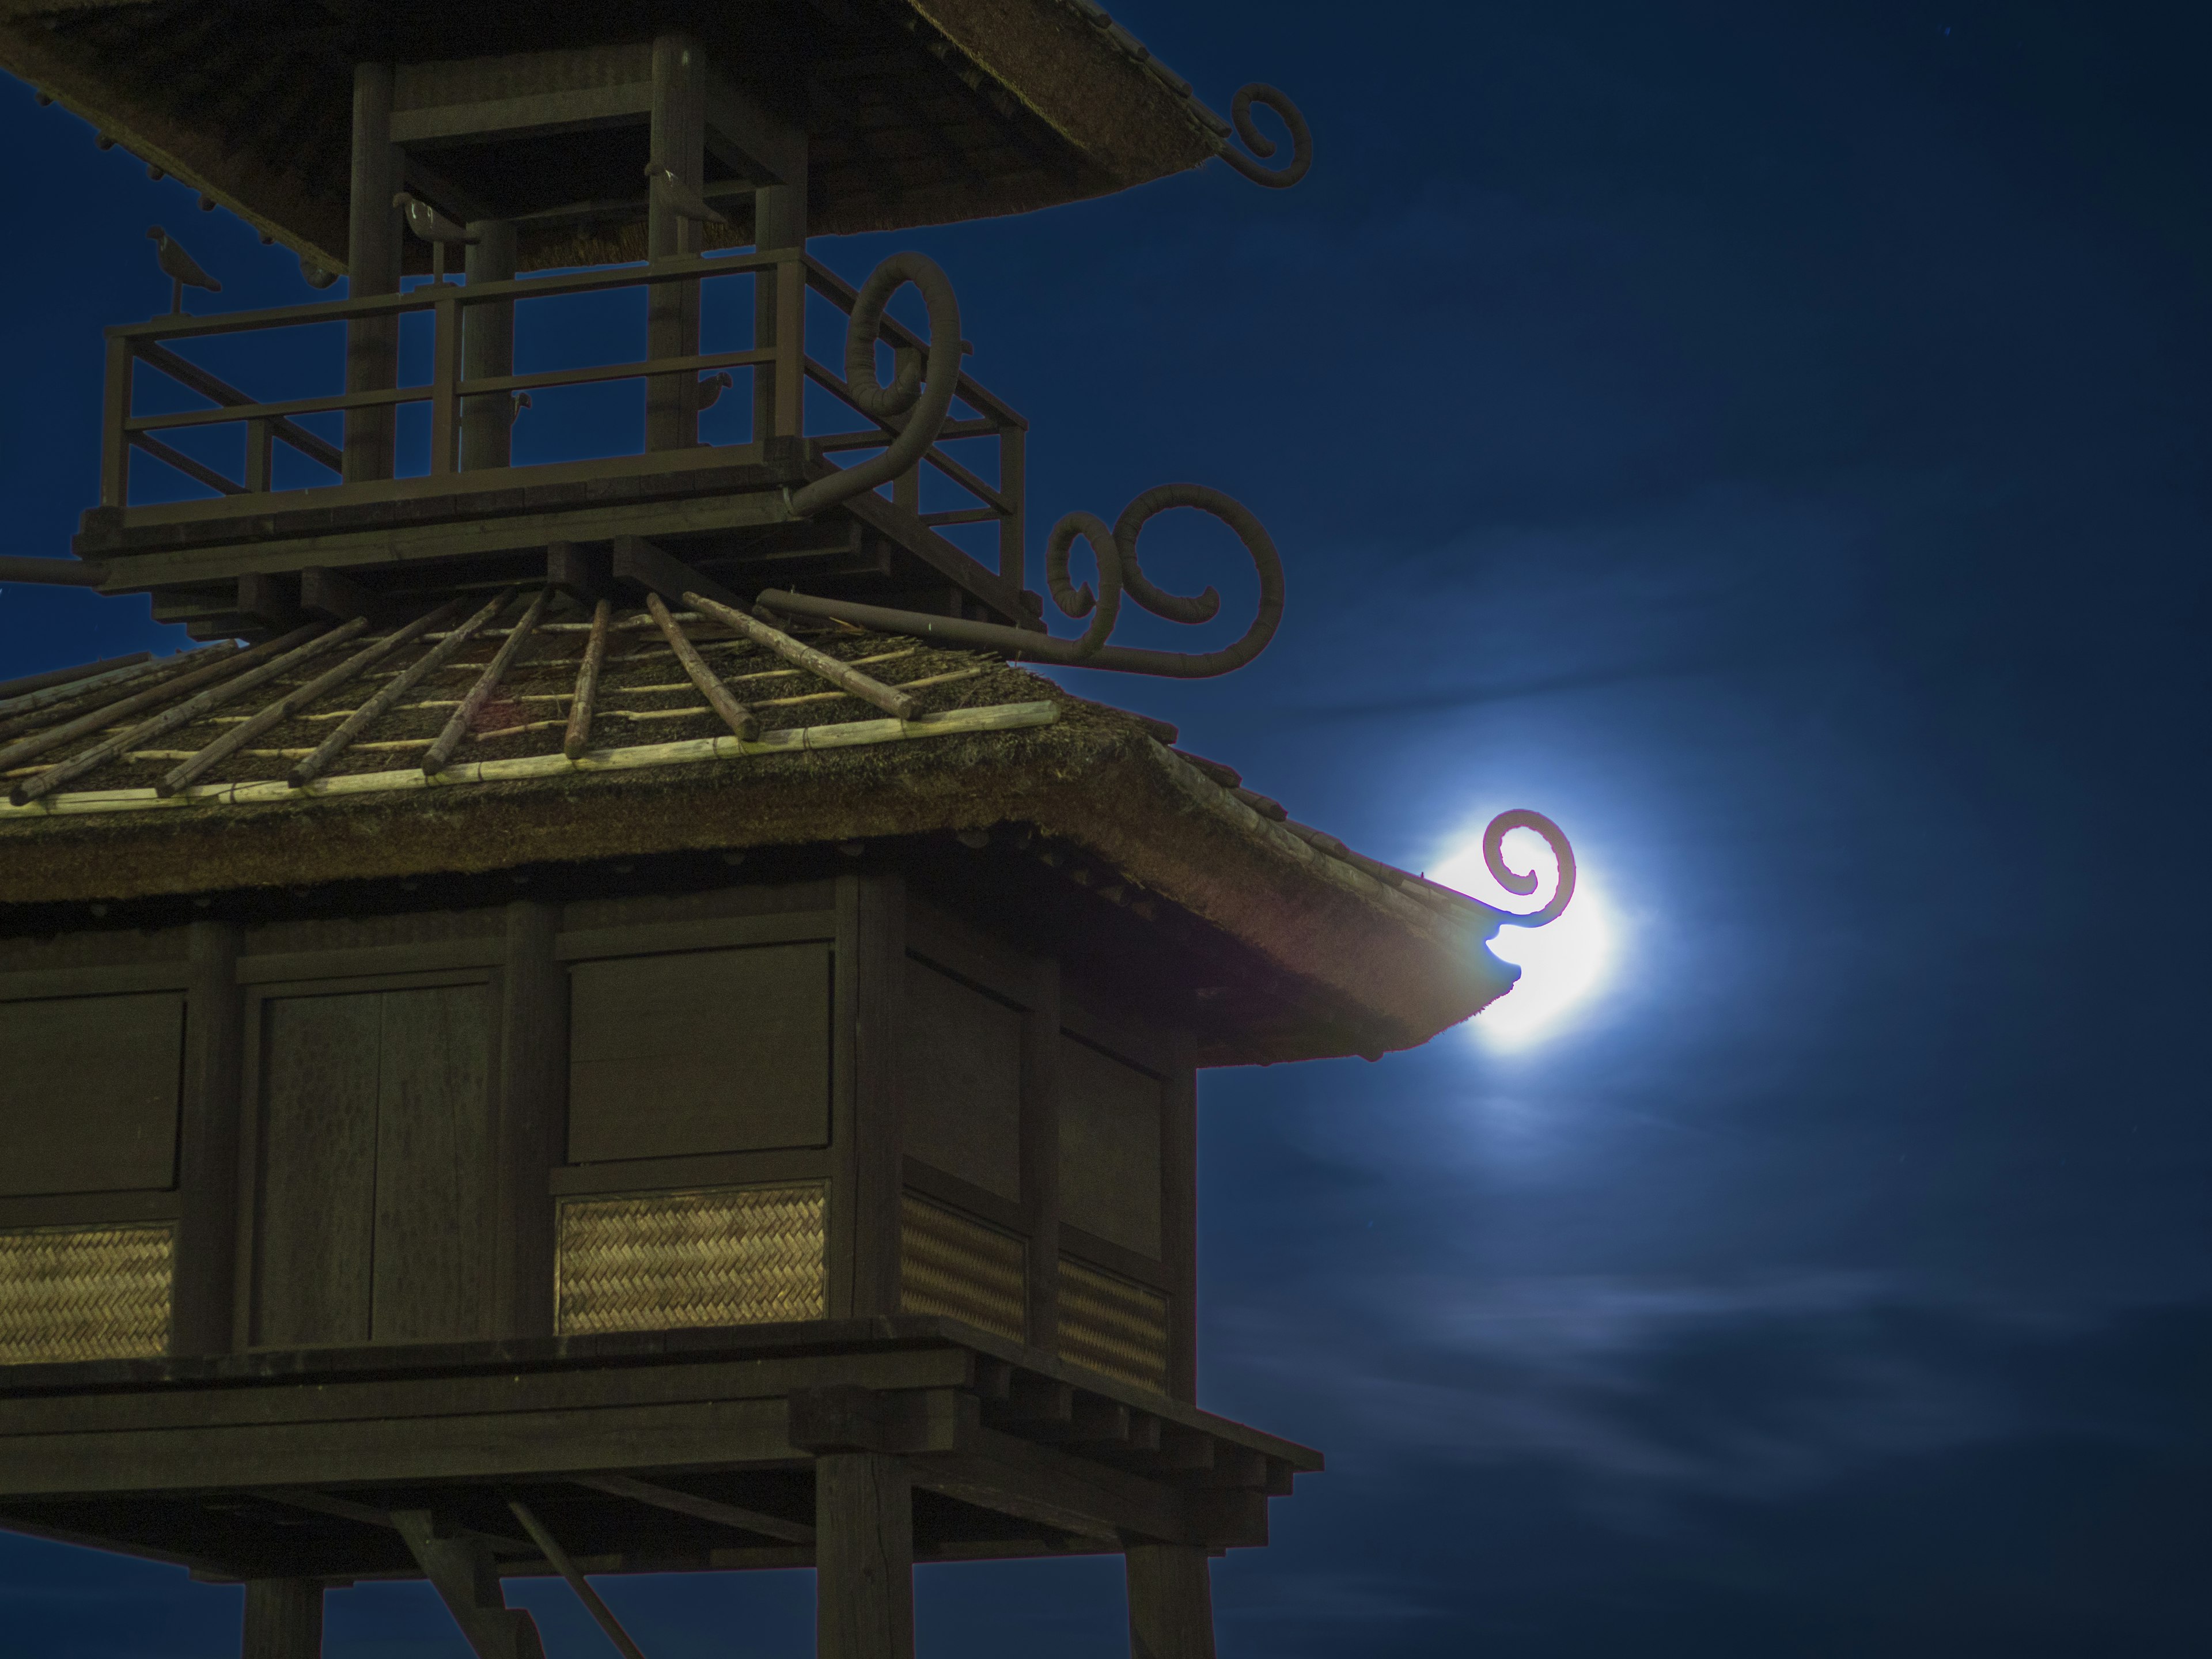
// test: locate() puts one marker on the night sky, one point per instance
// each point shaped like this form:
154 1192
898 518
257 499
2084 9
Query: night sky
1769 440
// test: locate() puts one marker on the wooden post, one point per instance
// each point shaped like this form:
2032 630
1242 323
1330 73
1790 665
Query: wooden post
1040 1139
260 447
445 383
284 1619
863 1556
680 143
906 488
1179 1219
372 267
1013 468
533 1084
866 1145
202 1287
488 348
1171 1601
779 221
114 441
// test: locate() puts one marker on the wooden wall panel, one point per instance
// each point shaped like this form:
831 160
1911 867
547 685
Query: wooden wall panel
318 1198
961 1054
1109 1148
433 1165
707 1051
92 1093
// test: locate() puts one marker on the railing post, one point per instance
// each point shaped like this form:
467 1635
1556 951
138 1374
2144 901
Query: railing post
1013 459
789 413
671 329
114 441
372 267
445 381
906 488
779 223
488 348
260 441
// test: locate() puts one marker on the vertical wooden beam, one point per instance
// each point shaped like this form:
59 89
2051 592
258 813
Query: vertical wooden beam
114 442
680 143
1039 1141
789 402
866 1144
204 1282
372 267
488 348
445 382
283 1618
1171 1601
1013 479
779 221
260 447
1179 1218
534 1099
906 488
863 1556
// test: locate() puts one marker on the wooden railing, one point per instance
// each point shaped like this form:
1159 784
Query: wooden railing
781 366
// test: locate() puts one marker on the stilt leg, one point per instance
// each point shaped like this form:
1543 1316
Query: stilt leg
1170 1602
863 1556
284 1619
459 1568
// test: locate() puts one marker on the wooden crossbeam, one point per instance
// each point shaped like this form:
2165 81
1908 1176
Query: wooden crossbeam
567 1568
701 1509
897 704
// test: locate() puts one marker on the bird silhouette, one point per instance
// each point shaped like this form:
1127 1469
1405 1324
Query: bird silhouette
434 227
711 388
679 198
180 268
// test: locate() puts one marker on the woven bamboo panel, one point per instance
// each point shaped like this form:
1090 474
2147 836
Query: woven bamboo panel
84 1293
733 1256
961 1268
1113 1325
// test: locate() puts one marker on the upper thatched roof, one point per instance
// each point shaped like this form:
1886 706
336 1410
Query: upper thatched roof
917 112
1326 952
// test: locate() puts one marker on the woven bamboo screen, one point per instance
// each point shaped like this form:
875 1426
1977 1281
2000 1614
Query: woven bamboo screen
84 1293
959 1268
1113 1325
653 1261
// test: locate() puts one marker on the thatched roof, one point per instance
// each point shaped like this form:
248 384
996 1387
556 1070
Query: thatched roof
1314 950
917 112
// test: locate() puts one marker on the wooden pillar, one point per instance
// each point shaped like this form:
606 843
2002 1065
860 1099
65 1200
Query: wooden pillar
863 1556
1179 1219
779 221
488 348
203 1284
1040 1138
680 143
1171 1601
533 1084
867 1144
373 268
283 1618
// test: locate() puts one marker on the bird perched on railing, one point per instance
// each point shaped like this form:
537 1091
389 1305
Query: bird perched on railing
679 198
711 388
434 227
180 268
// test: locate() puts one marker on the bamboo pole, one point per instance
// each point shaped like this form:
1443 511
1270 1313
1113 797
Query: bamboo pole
735 716
373 709
441 750
850 679
567 1568
587 682
287 652
180 674
285 707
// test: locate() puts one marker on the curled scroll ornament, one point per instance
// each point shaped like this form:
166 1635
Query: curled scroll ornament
1515 882
919 396
1260 145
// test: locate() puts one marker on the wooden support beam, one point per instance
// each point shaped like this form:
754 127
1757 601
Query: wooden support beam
601 1613
533 1120
637 560
327 593
488 348
284 1619
460 1569
313 766
272 600
700 1509
581 573
1171 1601
866 1137
897 704
372 267
1040 1152
739 719
203 1282
679 143
580 706
863 1556
449 739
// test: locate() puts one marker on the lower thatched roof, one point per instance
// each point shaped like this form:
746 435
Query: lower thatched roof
1394 958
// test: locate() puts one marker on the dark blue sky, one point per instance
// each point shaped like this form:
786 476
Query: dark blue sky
1771 441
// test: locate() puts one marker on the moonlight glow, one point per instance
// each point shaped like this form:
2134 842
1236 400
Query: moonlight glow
1562 966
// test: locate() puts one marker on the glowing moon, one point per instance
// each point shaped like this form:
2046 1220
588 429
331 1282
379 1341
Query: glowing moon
1563 966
